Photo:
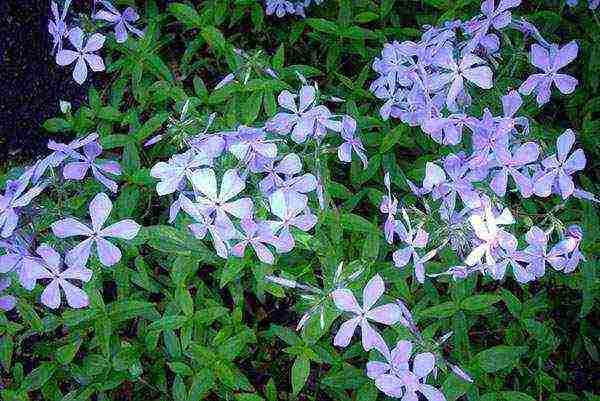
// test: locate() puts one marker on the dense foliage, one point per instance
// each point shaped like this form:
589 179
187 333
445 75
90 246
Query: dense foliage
337 199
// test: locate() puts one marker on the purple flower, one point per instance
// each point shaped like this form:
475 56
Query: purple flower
510 165
305 120
288 207
405 383
180 166
458 371
219 231
19 259
396 360
7 302
83 55
389 206
537 255
122 21
559 168
290 165
387 314
351 142
280 7
220 203
15 197
78 170
446 130
470 68
51 268
61 153
498 18
251 147
415 239
256 235
58 28
99 209
570 247
490 135
511 103
451 181
550 61
490 236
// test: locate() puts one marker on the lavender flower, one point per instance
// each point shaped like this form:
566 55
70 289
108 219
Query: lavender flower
351 142
99 210
559 168
387 314
78 170
256 235
51 268
490 235
58 28
288 207
290 165
280 7
511 165
15 197
83 54
396 360
550 61
179 167
122 21
415 239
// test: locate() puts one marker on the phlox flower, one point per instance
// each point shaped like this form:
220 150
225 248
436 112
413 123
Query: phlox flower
58 28
389 206
550 61
387 314
470 68
537 254
251 147
446 130
570 246
407 382
351 142
511 164
280 7
7 302
256 235
122 21
172 174
51 268
290 165
99 210
84 55
19 259
559 167
14 198
396 360
415 239
490 235
77 170
204 182
497 17
292 210
60 153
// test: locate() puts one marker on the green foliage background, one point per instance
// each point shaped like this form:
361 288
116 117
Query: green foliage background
172 321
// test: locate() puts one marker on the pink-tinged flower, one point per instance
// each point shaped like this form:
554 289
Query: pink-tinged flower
84 54
351 142
78 170
220 233
559 168
51 268
550 61
491 237
172 174
293 211
470 68
99 210
251 147
387 314
7 302
511 164
122 21
204 182
58 28
256 235
406 383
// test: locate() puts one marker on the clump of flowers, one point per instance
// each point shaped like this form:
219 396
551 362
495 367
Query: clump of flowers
281 8
257 179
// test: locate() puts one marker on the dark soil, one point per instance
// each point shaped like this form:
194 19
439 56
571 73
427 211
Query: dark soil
31 84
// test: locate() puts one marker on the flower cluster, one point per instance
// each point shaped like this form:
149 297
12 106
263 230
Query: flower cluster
280 8
31 263
592 4
224 208
84 53
425 84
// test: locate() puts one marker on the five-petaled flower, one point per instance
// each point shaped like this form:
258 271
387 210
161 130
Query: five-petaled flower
83 54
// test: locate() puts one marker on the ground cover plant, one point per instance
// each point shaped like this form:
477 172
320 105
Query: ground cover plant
314 200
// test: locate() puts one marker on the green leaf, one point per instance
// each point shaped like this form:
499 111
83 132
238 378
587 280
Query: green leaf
499 357
171 240
6 351
442 310
151 126
185 14
38 377
66 353
168 323
300 371
57 125
322 25
479 302
231 271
